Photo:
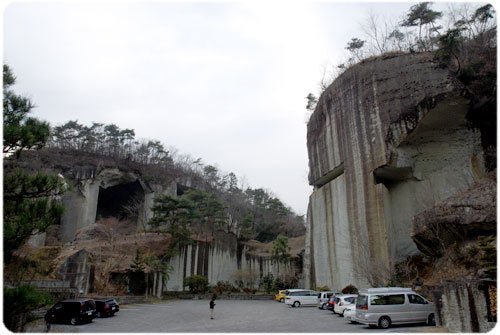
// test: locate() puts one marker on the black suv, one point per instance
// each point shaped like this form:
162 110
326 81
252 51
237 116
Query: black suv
71 311
106 307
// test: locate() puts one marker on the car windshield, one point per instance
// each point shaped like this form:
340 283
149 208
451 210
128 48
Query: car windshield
87 305
361 301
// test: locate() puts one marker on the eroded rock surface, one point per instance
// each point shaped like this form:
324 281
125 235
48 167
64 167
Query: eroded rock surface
388 140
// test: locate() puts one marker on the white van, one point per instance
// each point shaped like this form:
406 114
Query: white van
323 299
385 306
301 298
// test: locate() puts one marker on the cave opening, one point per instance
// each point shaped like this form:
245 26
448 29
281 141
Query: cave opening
121 201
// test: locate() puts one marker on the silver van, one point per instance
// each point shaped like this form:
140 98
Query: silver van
323 299
386 306
301 298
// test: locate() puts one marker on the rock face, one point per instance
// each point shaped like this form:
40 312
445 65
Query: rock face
465 306
467 215
105 193
98 243
225 259
388 140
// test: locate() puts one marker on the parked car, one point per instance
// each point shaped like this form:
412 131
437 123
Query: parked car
334 301
71 311
280 296
344 301
331 302
301 298
323 299
386 306
106 307
350 313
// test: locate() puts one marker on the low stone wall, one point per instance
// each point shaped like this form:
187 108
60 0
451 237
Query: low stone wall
208 296
466 305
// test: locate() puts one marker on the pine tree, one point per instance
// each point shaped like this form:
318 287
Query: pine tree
30 199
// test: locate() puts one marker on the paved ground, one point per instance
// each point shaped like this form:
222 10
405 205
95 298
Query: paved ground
246 316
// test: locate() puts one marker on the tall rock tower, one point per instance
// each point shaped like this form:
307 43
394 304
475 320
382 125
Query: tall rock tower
388 140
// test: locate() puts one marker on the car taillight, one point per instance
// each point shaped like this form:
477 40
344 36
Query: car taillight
106 307
365 307
341 304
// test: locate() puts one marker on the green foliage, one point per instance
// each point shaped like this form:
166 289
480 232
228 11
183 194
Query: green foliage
221 204
421 15
267 283
279 252
136 275
174 214
488 258
285 281
138 262
354 46
178 216
20 300
247 225
350 289
312 101
20 132
449 45
196 284
208 210
29 198
159 264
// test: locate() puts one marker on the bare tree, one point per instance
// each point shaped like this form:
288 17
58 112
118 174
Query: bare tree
378 32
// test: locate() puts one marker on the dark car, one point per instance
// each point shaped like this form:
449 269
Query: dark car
332 301
106 307
71 311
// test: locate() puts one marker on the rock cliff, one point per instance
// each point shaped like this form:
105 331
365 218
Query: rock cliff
95 243
388 140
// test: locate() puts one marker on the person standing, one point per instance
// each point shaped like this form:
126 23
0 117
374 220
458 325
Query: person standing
212 305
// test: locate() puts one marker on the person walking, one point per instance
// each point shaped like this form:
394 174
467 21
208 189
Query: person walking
212 305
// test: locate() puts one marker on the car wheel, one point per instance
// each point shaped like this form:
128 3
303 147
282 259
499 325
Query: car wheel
72 321
99 315
431 320
323 306
296 304
282 300
342 315
384 322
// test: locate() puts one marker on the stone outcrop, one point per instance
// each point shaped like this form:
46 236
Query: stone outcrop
465 306
470 214
223 258
104 193
98 240
389 139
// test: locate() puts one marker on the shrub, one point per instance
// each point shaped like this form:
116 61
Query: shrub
267 283
19 302
322 288
224 286
350 289
196 284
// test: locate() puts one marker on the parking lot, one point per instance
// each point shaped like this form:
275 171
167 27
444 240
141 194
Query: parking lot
230 316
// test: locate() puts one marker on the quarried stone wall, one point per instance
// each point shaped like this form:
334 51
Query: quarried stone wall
467 306
388 139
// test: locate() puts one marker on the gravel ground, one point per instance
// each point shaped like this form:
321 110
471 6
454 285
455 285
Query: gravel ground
246 316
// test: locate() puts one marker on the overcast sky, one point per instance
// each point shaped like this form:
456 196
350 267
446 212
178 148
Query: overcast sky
222 81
